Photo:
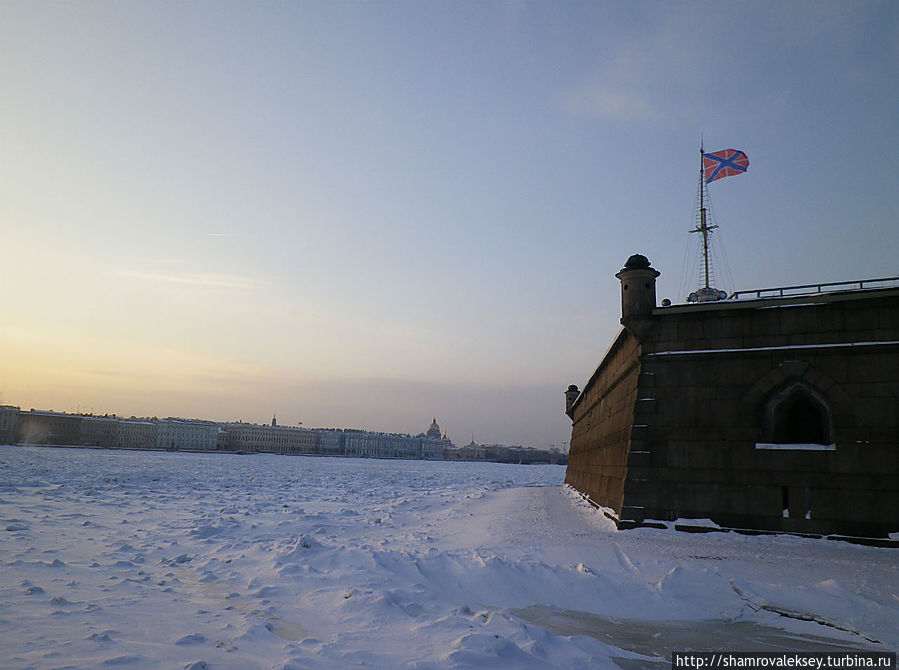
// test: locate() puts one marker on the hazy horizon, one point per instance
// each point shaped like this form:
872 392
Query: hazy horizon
372 214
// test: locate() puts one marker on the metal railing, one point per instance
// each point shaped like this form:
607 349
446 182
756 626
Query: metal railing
814 289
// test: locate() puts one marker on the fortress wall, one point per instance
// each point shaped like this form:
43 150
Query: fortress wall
777 413
603 420
693 451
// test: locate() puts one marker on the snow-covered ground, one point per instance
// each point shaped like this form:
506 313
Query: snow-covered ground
173 560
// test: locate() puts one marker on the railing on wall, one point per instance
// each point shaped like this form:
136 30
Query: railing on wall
814 289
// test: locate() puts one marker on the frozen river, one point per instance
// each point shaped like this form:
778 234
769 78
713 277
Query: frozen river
175 560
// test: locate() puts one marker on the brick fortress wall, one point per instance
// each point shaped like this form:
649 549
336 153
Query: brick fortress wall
696 419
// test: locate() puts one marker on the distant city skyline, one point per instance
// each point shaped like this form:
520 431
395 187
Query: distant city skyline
100 413
48 428
370 214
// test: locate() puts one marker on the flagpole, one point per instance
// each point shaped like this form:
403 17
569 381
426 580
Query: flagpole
703 226
721 164
702 220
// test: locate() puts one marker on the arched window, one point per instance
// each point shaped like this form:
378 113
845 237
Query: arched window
800 418
797 415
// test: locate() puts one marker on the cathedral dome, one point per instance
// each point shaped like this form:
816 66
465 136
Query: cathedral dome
434 429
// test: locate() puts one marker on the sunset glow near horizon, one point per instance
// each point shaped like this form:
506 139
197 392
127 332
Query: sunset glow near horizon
371 214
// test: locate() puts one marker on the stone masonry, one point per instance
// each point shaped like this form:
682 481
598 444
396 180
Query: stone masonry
772 413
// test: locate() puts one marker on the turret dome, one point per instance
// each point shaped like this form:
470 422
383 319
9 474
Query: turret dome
636 261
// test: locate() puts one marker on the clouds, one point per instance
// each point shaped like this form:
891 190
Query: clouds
676 62
643 70
598 99
222 281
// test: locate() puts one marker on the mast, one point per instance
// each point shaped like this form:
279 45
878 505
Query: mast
705 293
702 224
703 228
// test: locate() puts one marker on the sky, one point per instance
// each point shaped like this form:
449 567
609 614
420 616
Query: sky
371 214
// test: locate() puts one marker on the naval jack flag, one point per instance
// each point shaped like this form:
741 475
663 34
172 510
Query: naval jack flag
724 163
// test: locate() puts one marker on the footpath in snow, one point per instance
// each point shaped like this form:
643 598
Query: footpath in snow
167 560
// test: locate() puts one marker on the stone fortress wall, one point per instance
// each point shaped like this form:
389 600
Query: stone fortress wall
768 413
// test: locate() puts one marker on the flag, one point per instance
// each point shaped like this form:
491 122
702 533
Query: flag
725 163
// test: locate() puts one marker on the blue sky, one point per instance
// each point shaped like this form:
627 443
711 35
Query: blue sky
368 214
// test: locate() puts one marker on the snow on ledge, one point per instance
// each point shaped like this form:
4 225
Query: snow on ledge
694 523
796 447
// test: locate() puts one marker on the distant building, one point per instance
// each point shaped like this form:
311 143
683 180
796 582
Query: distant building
50 428
9 423
474 452
271 439
430 445
774 409
496 452
366 444
136 434
435 444
433 449
433 430
99 431
330 442
186 435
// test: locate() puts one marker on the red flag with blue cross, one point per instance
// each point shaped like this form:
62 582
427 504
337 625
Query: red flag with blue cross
724 163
